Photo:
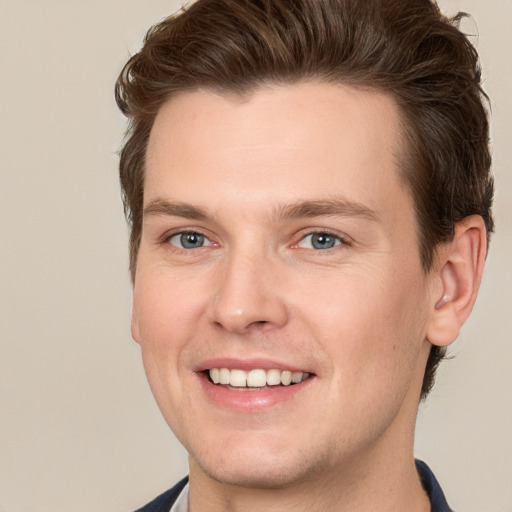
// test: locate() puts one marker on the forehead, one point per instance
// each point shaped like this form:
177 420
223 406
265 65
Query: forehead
278 142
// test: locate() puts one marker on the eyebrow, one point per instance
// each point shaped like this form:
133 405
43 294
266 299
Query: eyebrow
325 207
295 210
174 209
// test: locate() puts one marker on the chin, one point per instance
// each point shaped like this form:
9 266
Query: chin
253 464
274 476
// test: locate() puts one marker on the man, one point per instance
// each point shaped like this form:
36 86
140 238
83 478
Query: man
308 188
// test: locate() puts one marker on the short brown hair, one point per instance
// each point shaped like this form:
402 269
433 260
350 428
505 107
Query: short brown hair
405 48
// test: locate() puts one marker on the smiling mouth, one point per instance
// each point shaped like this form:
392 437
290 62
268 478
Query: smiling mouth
257 379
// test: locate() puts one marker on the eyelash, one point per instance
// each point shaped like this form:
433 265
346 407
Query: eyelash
343 241
167 239
340 240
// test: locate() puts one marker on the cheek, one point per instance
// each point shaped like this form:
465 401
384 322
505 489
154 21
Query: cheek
166 305
368 322
162 321
162 333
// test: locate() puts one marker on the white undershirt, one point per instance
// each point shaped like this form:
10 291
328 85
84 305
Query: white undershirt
181 504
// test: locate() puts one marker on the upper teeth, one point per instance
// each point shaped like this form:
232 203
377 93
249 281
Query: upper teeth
256 378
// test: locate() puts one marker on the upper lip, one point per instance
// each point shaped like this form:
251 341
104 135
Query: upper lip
249 364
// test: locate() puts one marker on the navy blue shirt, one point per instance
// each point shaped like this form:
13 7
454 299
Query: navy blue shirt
164 502
438 502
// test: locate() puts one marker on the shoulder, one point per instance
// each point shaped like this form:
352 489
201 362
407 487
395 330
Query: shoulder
164 502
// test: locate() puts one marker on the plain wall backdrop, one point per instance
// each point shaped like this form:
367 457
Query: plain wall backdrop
79 430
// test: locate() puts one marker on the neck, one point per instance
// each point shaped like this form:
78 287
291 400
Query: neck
392 486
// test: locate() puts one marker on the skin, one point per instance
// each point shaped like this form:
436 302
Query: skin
258 175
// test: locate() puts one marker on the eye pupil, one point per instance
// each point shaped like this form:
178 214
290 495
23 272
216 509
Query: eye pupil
191 240
323 241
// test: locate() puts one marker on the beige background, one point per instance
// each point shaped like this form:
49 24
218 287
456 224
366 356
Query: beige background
78 427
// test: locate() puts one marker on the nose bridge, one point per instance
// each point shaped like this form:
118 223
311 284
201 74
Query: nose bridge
247 296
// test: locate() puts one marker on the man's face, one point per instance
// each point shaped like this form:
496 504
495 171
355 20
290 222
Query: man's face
278 237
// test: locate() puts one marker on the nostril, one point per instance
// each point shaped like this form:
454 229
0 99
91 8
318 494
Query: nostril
257 324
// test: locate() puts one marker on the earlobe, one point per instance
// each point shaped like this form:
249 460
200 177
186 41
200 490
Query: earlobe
459 272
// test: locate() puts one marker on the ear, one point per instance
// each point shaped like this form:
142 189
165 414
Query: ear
135 326
458 273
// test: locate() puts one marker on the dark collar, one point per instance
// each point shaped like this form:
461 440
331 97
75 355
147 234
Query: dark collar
433 489
164 502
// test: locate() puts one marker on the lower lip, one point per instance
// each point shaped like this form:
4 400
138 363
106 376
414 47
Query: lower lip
251 400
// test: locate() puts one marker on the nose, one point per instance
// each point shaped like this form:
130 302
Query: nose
247 295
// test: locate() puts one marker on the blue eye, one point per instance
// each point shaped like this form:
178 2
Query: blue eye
189 240
319 241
